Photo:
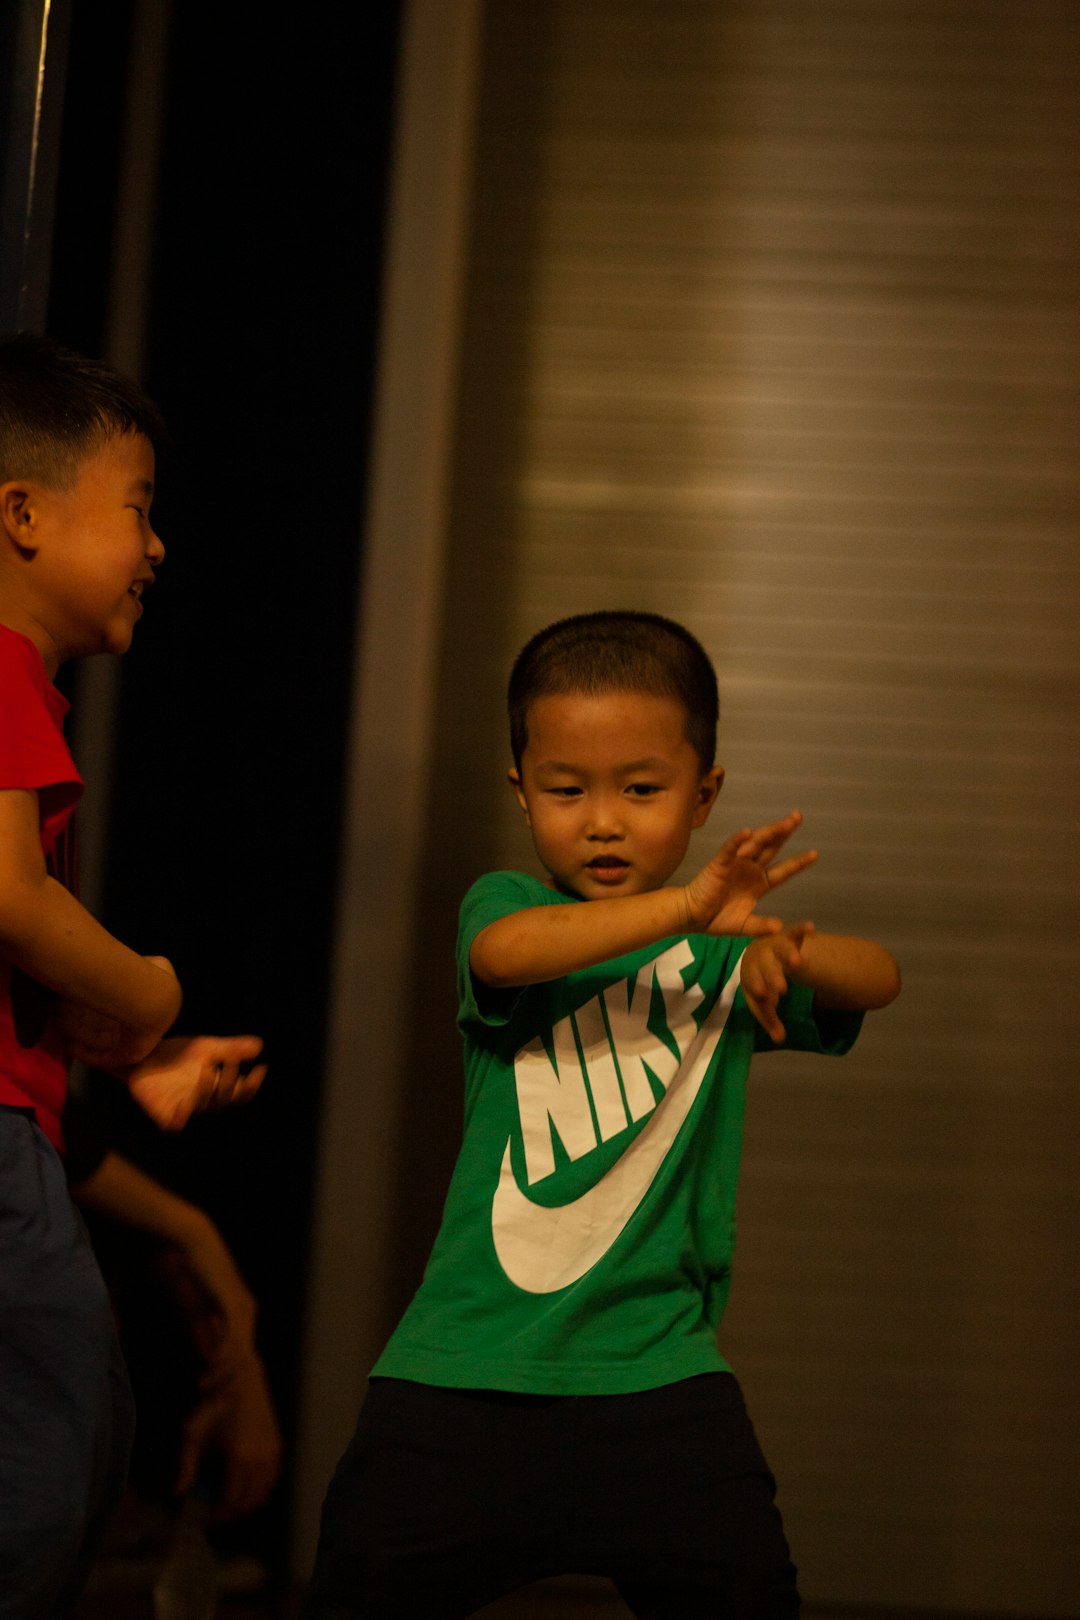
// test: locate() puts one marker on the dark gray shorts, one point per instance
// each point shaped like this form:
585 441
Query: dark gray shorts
446 1499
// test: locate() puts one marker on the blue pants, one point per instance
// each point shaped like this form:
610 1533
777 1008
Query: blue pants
66 1415
447 1499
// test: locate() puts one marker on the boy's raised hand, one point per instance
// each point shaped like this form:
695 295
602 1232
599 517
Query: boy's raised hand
187 1074
766 966
723 896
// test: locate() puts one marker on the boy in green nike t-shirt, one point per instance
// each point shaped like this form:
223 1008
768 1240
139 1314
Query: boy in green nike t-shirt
554 1400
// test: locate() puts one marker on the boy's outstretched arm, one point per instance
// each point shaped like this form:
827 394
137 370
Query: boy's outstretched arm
846 973
544 942
49 935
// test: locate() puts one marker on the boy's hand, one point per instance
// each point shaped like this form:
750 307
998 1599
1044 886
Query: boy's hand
102 1042
186 1074
766 965
722 898
236 1420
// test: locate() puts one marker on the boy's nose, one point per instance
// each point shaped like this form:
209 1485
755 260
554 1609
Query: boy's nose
155 551
605 822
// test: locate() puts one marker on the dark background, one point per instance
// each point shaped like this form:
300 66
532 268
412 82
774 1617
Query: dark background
263 298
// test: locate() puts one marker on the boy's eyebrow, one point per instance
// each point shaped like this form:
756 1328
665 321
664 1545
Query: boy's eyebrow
651 762
632 766
142 486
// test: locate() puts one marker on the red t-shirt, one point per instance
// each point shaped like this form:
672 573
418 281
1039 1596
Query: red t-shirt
33 754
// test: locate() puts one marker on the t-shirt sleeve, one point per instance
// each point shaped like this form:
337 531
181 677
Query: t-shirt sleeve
33 753
498 894
826 1031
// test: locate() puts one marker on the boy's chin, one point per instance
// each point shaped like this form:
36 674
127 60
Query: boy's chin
117 640
589 887
565 886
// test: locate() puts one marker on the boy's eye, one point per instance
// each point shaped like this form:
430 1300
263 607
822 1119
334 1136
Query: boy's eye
565 792
642 790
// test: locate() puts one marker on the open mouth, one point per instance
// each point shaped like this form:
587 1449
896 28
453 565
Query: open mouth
607 868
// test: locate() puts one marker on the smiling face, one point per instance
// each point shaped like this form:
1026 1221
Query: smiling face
87 553
611 790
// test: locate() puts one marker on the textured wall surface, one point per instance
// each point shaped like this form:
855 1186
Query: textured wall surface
772 325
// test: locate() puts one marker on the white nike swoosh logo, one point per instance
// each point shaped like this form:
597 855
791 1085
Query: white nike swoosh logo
542 1249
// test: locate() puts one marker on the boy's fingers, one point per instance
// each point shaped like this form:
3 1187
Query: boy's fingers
243 1048
246 1085
770 1022
791 867
731 847
801 930
752 982
225 1084
772 979
765 1013
192 1445
754 926
228 1048
765 841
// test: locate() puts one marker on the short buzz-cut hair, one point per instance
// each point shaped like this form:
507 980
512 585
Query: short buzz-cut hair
617 651
57 408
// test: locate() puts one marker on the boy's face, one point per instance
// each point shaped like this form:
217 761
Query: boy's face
611 790
93 550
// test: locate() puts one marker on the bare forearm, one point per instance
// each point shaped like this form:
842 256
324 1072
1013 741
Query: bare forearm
122 1191
46 932
545 942
847 973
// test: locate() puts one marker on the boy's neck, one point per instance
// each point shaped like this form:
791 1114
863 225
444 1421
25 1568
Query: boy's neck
24 624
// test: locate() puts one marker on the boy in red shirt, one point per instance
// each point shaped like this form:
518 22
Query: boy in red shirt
77 552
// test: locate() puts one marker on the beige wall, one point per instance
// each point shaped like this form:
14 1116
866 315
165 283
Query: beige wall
771 324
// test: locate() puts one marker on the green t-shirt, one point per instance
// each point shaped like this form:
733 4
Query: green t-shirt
586 1242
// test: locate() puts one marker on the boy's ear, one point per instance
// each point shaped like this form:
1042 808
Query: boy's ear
18 516
513 776
709 787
